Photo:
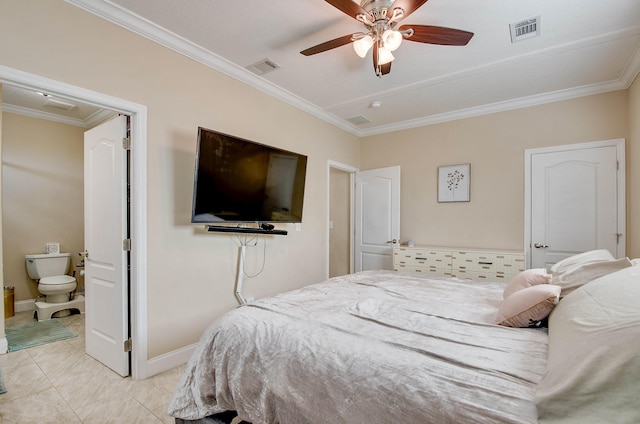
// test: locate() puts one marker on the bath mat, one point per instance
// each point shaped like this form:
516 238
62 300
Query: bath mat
3 388
36 334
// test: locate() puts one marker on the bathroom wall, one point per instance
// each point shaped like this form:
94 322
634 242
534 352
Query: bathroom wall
42 194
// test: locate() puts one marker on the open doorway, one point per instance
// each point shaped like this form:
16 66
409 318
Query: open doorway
340 220
138 114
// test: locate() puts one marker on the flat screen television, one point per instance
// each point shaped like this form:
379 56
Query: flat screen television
240 181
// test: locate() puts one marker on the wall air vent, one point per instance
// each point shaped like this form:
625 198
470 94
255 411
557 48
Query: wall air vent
527 28
358 120
262 67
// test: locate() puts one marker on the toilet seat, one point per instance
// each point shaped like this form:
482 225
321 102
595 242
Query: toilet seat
56 280
57 284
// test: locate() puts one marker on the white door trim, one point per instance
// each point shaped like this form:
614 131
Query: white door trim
619 144
352 175
138 113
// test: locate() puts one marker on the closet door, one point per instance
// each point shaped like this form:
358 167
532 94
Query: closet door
377 218
575 204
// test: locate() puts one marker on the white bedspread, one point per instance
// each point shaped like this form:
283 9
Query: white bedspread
373 347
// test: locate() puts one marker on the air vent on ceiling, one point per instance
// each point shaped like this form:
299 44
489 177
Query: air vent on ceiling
58 104
263 66
527 28
358 120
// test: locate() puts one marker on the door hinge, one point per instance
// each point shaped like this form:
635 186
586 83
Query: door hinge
127 345
618 235
126 143
126 245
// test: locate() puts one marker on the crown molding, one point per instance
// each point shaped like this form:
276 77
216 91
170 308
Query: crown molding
93 120
504 106
147 29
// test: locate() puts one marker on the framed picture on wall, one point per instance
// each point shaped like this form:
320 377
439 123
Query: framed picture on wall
454 182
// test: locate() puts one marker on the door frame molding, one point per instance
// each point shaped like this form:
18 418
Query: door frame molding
138 113
352 181
619 144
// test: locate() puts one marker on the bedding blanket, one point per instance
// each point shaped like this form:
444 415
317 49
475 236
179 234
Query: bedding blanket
372 347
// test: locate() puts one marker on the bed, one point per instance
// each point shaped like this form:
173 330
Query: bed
388 347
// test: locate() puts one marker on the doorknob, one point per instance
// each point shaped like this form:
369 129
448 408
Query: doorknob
538 245
394 241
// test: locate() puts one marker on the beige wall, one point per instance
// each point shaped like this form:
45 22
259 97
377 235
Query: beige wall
42 190
494 145
191 274
633 172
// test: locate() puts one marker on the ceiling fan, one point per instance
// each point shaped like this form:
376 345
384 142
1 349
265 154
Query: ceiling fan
384 33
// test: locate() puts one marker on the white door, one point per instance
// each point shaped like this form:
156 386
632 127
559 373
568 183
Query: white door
377 218
575 202
105 214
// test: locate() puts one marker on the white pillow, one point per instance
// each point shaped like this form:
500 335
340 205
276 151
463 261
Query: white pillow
580 259
593 368
527 278
529 306
581 275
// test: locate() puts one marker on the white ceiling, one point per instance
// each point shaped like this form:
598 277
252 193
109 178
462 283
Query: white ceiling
585 47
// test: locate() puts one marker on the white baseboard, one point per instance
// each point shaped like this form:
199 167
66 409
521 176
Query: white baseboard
4 346
25 305
169 360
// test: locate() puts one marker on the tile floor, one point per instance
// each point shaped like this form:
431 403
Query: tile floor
59 383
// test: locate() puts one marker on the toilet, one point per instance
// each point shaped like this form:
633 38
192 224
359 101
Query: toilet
49 270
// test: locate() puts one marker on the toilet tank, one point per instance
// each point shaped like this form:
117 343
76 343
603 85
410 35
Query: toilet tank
47 265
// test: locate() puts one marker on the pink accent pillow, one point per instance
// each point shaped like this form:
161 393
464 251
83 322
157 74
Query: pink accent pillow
527 278
526 307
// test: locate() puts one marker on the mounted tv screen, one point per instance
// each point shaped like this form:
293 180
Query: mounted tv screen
237 180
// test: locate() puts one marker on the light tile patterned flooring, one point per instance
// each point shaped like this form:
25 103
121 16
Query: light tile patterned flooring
60 383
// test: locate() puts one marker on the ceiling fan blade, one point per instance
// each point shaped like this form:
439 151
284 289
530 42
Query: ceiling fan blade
438 35
409 6
348 6
328 45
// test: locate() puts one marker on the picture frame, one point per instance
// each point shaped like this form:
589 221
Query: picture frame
454 182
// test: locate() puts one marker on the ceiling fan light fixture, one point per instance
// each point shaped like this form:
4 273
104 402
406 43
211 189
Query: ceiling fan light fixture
384 56
383 33
391 39
363 45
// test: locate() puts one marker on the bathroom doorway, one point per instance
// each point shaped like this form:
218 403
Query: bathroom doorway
136 307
